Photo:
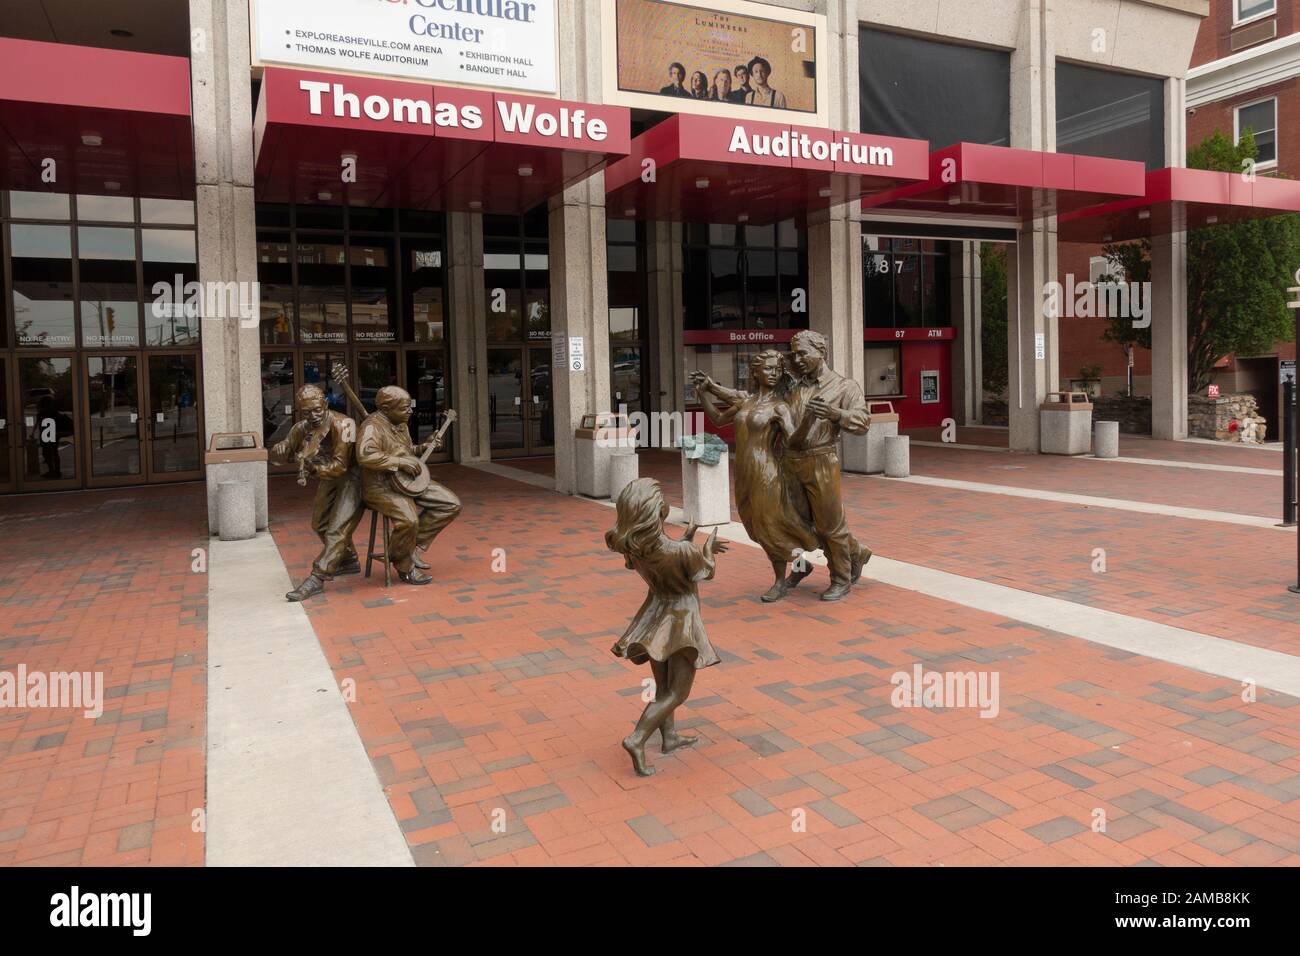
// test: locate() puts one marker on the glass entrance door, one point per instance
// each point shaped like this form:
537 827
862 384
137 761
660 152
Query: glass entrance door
9 430
538 405
505 401
114 432
45 396
174 429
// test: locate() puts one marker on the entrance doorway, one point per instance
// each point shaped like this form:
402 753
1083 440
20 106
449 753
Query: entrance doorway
142 418
519 401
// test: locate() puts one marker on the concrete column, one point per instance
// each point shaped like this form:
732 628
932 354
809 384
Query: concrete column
1032 265
579 275
667 359
967 370
1169 291
227 235
835 235
467 324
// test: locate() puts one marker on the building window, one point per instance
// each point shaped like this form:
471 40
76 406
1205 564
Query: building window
1110 114
625 253
1261 119
745 277
905 283
1243 11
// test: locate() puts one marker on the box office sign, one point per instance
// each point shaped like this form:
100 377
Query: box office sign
508 44
731 58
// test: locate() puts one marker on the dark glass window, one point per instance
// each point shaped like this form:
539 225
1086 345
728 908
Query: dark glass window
275 276
1115 115
170 264
110 294
517 279
42 285
322 291
372 288
751 277
905 283
941 92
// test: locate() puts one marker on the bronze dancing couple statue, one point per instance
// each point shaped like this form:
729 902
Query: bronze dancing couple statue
788 460
375 466
788 496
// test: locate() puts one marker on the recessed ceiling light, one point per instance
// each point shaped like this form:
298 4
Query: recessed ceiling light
92 139
324 195
824 192
954 200
122 33
630 211
1211 220
743 217
112 185
702 183
525 170
475 204
1144 213
1106 237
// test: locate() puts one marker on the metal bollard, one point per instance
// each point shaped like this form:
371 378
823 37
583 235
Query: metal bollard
1288 454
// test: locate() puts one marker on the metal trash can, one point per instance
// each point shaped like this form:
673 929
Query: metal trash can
602 436
1065 424
243 462
865 454
706 479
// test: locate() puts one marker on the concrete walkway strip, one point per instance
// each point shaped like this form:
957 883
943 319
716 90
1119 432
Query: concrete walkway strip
1092 501
289 782
1162 642
1195 465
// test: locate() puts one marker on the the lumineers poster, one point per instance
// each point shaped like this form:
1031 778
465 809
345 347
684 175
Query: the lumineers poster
727 57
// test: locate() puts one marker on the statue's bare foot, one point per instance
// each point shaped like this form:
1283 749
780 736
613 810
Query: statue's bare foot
637 753
775 592
676 741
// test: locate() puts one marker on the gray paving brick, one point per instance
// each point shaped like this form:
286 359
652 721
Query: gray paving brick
1066 775
1058 829
753 802
650 830
942 806
834 813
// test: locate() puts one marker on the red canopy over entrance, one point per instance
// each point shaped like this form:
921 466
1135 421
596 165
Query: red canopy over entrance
110 121
995 181
322 137
692 168
1206 197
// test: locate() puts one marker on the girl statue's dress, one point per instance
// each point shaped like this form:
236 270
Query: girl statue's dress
669 621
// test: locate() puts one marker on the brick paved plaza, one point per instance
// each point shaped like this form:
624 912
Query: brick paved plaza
491 710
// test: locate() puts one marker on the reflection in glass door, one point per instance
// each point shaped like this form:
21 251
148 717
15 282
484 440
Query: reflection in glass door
173 409
538 406
46 398
505 401
114 431
9 430
426 381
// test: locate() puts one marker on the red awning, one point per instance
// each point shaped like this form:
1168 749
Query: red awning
995 181
417 146
1206 197
692 168
111 121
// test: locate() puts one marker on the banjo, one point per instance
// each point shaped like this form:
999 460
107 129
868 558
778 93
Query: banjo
414 485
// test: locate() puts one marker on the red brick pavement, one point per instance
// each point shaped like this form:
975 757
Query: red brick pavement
495 693
1225 580
102 581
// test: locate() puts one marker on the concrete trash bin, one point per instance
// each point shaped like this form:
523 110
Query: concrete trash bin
1065 424
237 513
1105 439
898 457
601 437
623 470
245 462
706 479
865 454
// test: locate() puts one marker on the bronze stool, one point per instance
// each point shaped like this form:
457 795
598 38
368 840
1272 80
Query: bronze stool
371 557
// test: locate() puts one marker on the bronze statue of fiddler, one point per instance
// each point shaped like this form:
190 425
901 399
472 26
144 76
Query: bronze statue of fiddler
787 460
668 630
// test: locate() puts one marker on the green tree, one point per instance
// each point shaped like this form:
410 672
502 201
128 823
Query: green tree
993 316
1237 274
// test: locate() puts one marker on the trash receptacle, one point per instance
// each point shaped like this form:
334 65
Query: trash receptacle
865 454
1065 424
706 479
601 436
242 462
